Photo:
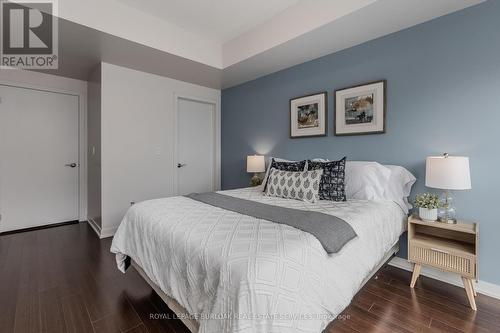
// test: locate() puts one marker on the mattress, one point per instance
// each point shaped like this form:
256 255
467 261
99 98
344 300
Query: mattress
236 273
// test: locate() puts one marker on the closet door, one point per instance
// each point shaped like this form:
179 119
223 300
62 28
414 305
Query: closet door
39 157
195 146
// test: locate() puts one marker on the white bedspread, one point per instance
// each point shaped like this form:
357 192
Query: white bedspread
241 274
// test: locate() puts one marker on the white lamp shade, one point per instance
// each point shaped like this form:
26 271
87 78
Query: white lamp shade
256 163
449 173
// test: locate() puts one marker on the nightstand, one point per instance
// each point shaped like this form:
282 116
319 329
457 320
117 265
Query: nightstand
449 247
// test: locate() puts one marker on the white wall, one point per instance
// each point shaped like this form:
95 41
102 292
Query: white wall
94 148
137 136
130 124
42 81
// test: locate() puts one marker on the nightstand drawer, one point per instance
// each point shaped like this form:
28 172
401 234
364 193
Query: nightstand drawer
462 264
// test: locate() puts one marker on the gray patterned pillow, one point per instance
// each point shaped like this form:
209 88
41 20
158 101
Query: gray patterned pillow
302 185
287 166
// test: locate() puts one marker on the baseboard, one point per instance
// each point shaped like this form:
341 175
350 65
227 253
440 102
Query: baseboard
102 233
482 287
40 227
108 232
96 227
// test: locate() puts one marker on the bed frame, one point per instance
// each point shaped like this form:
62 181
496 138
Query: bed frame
193 325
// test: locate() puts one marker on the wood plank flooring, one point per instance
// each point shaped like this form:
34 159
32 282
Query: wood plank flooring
64 279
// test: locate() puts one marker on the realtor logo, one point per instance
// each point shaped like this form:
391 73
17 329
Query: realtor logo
29 34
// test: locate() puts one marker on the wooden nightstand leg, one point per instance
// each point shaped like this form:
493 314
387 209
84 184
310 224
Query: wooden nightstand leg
473 285
416 273
470 293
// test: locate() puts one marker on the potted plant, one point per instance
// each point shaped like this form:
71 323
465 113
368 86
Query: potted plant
428 204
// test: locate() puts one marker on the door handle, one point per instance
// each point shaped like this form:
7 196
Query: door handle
71 165
180 165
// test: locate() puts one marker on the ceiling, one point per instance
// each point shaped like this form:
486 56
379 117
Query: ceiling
377 19
218 20
81 49
223 43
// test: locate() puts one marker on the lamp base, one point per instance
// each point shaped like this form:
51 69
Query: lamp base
447 212
449 221
256 180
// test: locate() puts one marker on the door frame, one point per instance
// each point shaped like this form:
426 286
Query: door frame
81 94
217 139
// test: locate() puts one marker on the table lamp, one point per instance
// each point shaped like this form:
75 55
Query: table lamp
448 173
256 164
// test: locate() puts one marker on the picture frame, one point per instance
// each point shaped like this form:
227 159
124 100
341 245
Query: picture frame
361 109
308 116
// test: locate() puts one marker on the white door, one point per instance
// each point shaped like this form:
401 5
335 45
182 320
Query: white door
38 158
195 146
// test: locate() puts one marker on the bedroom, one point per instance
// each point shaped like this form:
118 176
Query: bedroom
200 98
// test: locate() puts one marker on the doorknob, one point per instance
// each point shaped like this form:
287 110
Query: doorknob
71 165
180 165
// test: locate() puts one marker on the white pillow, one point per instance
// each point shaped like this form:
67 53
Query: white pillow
399 186
277 159
365 180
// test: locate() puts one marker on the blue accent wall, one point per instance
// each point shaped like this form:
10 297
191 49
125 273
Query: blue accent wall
443 94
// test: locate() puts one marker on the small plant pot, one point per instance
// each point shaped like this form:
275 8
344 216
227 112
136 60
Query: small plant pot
429 215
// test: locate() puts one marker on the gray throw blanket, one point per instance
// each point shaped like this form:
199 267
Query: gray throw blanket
332 232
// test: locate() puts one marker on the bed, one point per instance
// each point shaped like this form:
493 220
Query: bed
222 271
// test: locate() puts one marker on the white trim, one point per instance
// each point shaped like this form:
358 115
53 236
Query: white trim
81 94
108 232
482 287
102 233
95 226
217 138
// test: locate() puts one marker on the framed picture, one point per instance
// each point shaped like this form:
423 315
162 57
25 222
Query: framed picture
308 116
361 109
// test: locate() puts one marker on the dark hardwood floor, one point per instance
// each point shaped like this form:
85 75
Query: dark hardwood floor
65 279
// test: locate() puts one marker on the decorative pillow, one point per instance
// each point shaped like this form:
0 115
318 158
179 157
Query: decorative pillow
283 165
268 168
332 185
366 180
302 185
